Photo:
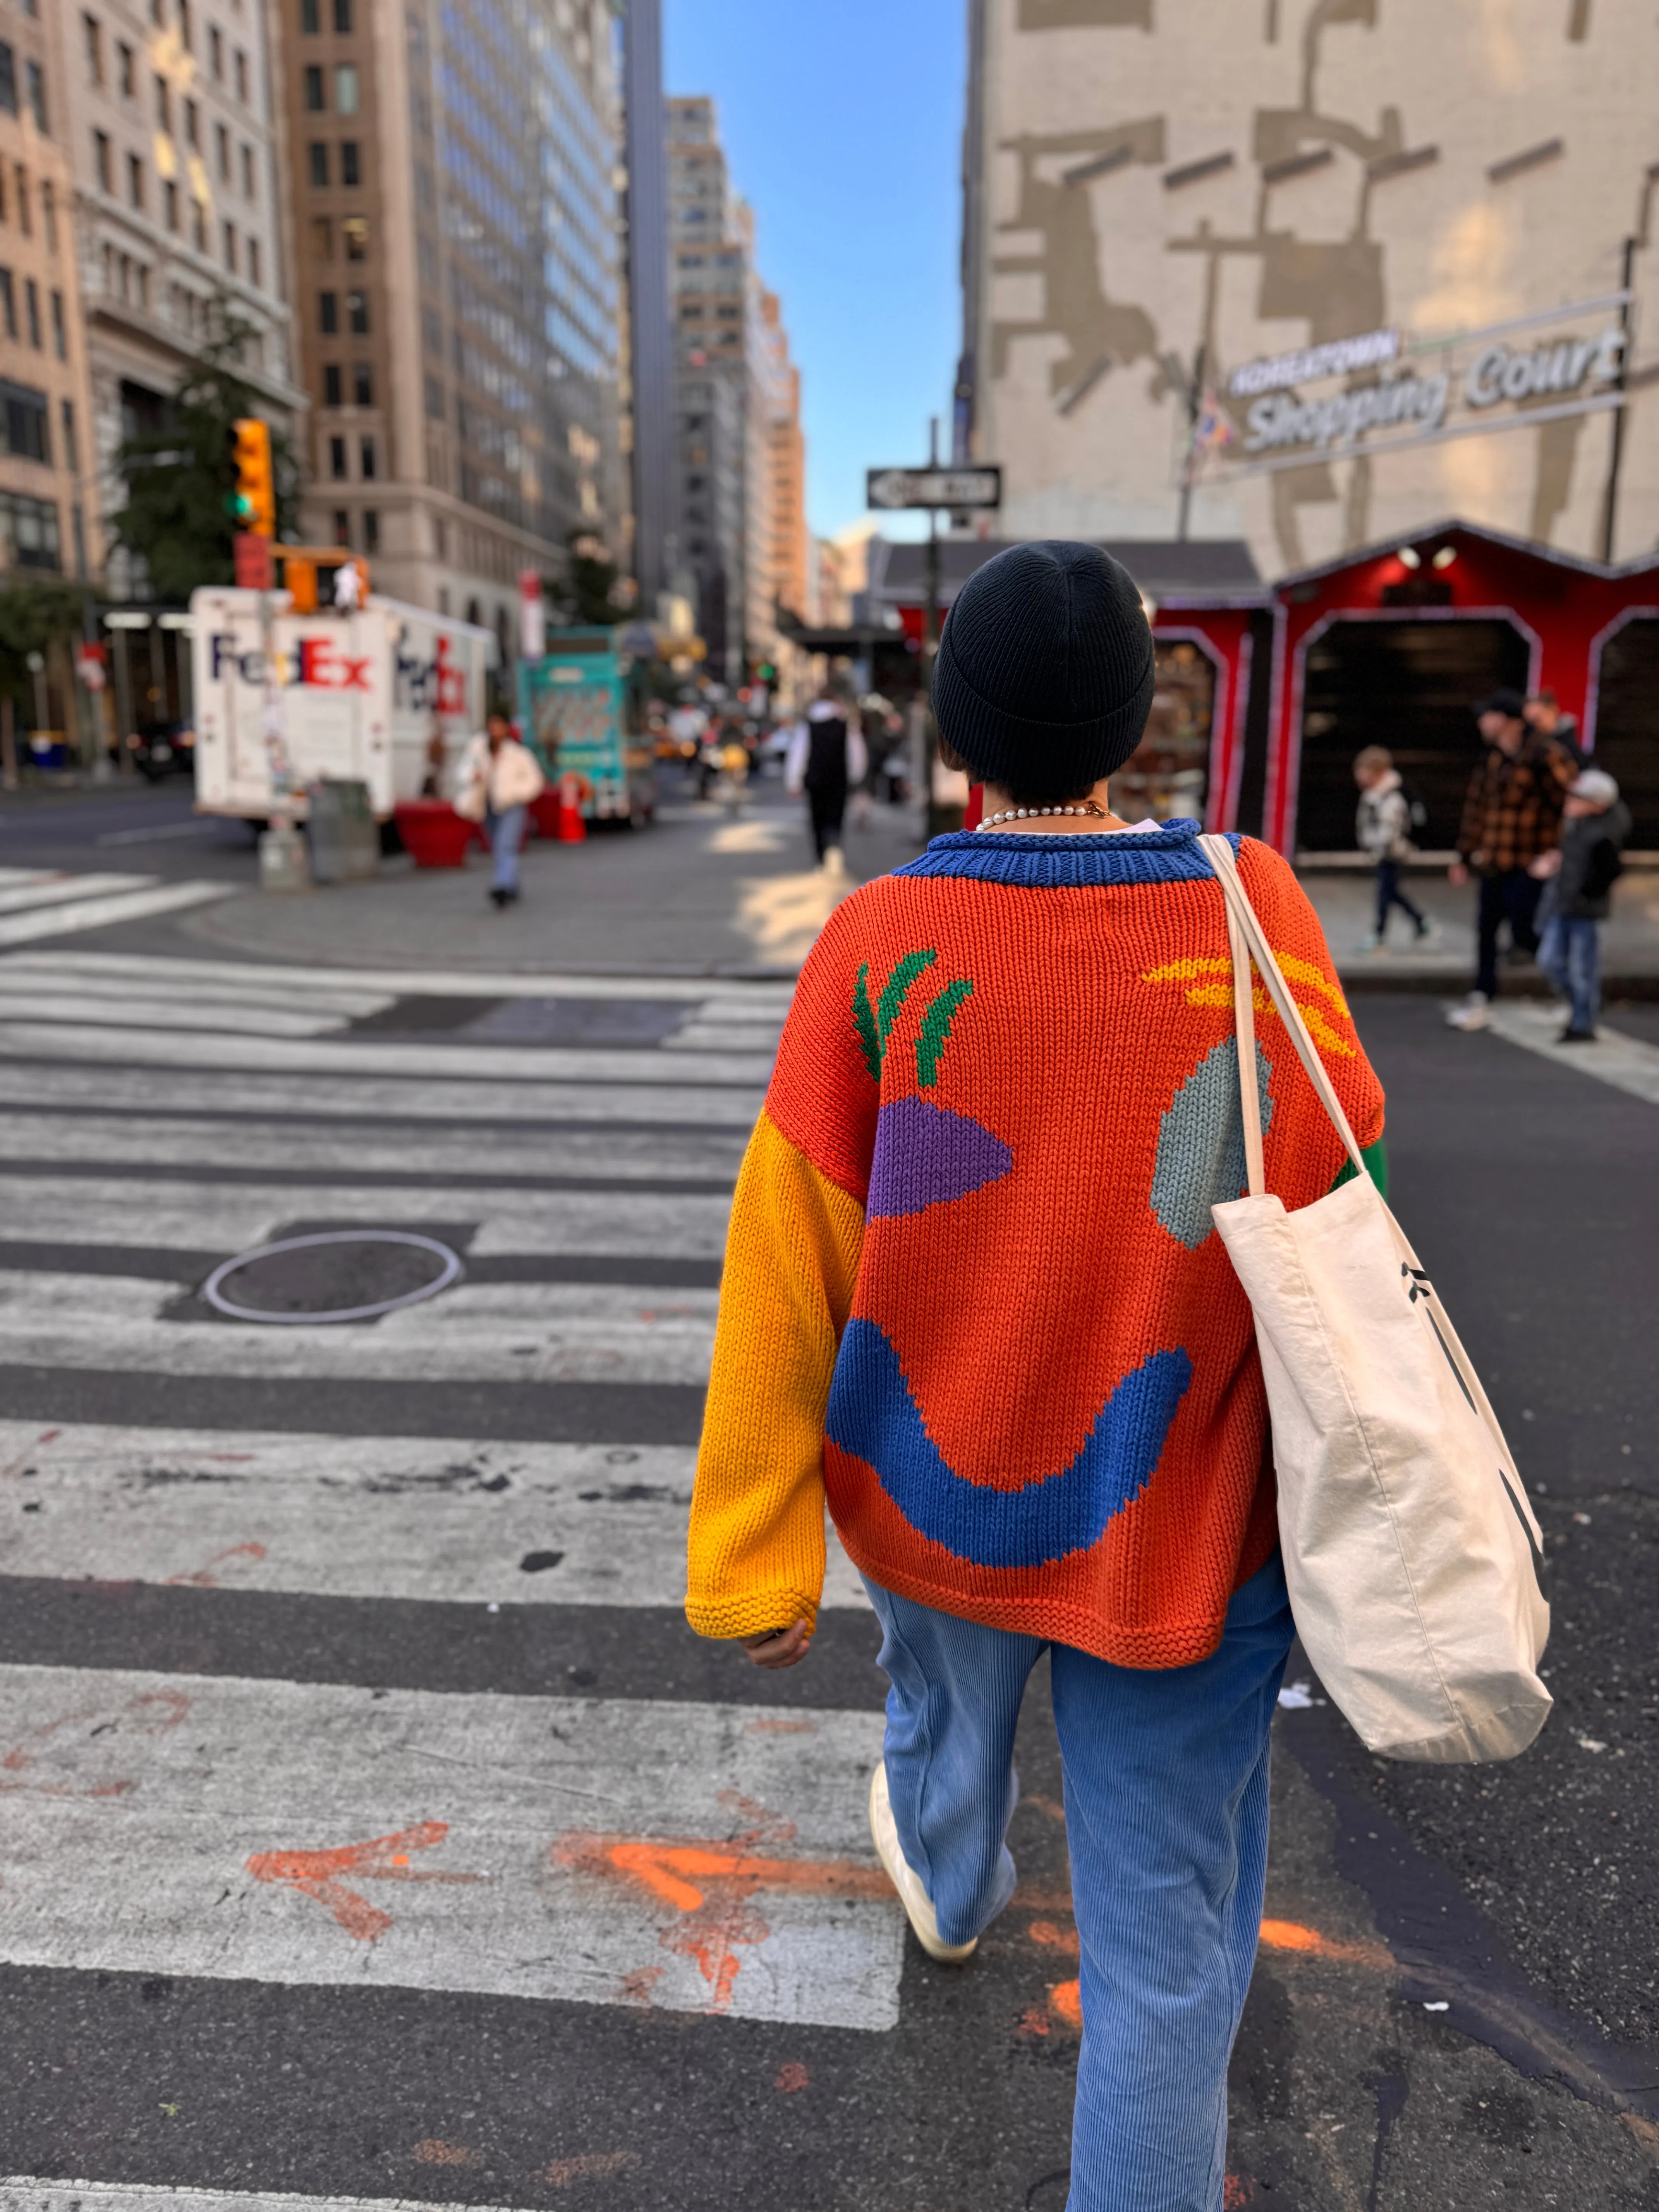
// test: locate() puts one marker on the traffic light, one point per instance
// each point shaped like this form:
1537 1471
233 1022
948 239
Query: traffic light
254 500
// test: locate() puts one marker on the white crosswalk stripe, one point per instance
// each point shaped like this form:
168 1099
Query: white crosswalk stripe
26 2192
58 907
640 1851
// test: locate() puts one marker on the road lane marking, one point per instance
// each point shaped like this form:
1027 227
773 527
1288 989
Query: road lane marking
1628 1063
129 1837
129 1009
24 2193
439 1518
53 890
104 912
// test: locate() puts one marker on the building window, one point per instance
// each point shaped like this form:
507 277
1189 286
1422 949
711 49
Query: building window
441 540
28 532
313 85
71 444
357 313
336 458
8 303
100 156
247 172
354 231
435 399
7 78
170 204
163 106
49 216
362 384
59 331
31 301
322 238
26 422
328 313
230 247
216 53
342 526
24 224
311 17
36 83
194 124
199 226
241 77
351 169
371 530
222 140
331 385
128 62
253 262
135 181
319 165
92 39
345 88
366 456
343 17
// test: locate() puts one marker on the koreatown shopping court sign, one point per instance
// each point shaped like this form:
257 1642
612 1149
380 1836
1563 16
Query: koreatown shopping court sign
1381 389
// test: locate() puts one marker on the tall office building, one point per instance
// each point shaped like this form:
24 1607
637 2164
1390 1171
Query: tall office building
649 386
741 534
453 186
48 490
166 115
1371 252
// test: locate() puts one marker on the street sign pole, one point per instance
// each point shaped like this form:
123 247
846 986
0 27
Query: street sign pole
937 816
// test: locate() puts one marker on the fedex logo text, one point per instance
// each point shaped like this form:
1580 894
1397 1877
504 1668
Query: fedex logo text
317 662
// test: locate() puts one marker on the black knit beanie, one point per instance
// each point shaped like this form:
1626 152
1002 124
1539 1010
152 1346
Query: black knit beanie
1043 679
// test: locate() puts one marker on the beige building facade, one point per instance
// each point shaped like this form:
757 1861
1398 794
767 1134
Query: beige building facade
1170 211
48 488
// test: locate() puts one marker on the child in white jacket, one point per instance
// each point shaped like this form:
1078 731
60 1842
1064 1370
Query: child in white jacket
1383 828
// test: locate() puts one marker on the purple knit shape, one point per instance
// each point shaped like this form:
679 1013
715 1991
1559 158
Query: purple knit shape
926 1154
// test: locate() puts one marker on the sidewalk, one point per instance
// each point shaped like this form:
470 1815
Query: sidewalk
703 893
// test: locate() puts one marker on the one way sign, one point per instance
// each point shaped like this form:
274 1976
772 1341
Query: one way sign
959 488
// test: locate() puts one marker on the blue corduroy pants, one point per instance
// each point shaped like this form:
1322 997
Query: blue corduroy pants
1166 1821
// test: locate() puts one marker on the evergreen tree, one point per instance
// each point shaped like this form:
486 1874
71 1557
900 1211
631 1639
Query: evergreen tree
180 479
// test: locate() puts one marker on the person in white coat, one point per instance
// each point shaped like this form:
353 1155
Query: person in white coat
499 778
826 759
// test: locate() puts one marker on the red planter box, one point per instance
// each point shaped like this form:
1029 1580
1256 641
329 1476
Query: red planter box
435 835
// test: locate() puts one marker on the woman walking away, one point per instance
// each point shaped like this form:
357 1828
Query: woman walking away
499 779
973 1290
826 760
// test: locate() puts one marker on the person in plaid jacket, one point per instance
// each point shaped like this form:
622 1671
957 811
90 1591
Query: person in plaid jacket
1512 813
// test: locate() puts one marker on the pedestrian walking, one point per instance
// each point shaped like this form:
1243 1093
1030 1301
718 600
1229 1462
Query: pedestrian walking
973 1293
1512 814
1383 828
826 758
1579 876
499 779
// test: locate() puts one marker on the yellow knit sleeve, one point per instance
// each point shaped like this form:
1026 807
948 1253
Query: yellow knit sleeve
792 1256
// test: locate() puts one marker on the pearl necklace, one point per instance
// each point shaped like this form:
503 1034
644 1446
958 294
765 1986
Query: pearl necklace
1025 814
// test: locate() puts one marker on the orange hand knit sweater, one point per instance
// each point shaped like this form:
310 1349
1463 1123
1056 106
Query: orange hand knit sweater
973 1290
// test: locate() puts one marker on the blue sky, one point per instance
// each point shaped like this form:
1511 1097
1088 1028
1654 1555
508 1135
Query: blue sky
842 128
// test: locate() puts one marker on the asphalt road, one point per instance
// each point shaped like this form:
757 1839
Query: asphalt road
375 1829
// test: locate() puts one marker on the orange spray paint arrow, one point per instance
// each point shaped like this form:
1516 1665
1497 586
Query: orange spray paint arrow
384 1858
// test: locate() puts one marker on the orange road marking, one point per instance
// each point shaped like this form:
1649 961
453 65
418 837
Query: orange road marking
434 2152
204 1578
316 1874
594 2166
792 2076
1291 1936
1067 1998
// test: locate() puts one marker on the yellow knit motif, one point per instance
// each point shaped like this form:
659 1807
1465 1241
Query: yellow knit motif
792 1257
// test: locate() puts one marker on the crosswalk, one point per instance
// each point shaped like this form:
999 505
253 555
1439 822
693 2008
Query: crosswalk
323 1826
38 903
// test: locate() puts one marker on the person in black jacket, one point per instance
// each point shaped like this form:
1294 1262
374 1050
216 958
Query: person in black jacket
1579 874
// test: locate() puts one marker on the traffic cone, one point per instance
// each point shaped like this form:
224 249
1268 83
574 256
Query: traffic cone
571 827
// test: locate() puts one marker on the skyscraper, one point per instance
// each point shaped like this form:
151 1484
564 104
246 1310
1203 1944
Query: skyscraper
453 184
649 421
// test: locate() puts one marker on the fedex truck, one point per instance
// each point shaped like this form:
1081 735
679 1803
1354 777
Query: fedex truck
360 695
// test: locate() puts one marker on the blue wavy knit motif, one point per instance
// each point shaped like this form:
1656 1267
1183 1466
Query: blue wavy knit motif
873 1417
1167 854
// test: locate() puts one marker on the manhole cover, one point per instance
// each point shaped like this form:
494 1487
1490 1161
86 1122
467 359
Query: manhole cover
342 1274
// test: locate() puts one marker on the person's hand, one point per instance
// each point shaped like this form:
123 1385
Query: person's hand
1458 875
1547 865
779 1647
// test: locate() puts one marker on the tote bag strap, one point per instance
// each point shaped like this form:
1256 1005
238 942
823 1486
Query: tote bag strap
1242 917
1249 1094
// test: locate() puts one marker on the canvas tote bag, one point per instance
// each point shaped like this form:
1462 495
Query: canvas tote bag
1410 1550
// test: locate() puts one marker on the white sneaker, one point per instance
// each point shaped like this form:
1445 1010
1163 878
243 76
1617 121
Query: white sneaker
904 1878
1474 1013
1370 942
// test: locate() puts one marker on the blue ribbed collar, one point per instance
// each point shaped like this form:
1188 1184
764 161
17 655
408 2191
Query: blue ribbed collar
1166 854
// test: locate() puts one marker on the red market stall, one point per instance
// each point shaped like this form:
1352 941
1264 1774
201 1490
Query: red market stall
1392 645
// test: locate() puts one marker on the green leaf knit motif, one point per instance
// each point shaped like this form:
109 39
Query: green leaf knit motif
865 1022
887 1005
936 1029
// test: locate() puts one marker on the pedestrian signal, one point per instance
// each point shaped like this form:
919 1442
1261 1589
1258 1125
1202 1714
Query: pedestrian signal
253 503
